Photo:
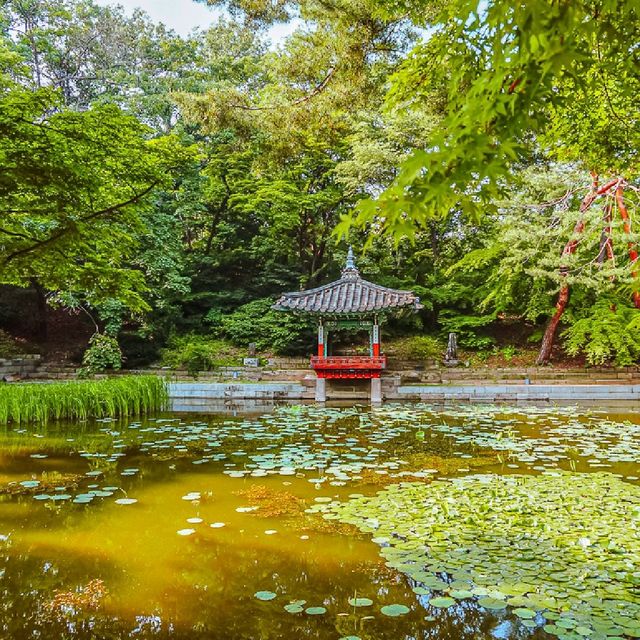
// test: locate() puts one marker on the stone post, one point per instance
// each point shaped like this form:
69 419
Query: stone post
321 389
376 390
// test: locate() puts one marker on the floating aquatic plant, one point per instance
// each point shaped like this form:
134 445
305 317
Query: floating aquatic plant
272 503
66 605
394 610
563 545
360 602
315 611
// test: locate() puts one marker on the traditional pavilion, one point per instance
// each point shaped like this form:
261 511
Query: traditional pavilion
348 303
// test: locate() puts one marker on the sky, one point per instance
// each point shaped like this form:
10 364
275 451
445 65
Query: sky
184 15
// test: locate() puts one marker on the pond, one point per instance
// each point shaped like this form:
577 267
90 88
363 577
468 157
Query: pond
405 521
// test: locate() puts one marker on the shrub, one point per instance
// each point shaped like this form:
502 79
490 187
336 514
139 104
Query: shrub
9 348
270 330
467 328
509 353
417 348
195 353
103 353
608 332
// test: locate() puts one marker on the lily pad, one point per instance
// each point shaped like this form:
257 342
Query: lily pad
315 611
394 610
293 608
493 604
264 595
442 602
360 602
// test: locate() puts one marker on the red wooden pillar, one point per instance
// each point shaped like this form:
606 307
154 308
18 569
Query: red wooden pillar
375 338
321 353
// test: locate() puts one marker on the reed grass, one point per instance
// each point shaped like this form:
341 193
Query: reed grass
82 399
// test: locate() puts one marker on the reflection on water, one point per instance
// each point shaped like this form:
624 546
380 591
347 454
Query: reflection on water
62 528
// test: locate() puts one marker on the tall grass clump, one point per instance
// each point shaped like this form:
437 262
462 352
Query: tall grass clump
82 399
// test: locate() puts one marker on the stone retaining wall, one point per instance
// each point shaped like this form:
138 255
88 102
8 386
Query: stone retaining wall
604 393
293 381
194 396
24 366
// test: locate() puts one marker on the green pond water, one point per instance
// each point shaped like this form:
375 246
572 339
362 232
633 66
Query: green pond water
402 522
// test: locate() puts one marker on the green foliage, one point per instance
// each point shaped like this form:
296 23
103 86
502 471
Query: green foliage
81 400
195 353
467 328
509 353
158 182
9 348
563 72
607 332
103 353
271 331
74 185
416 348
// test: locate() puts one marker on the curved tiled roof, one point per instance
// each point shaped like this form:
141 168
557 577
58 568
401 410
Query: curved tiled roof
348 295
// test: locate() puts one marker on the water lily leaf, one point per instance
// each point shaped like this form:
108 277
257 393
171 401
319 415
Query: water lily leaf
315 611
30 484
442 603
493 604
394 610
460 594
360 602
264 595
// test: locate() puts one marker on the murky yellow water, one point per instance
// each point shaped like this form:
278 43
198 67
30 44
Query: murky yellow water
160 584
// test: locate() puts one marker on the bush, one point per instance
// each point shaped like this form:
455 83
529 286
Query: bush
103 353
270 330
417 348
467 328
195 353
9 348
608 332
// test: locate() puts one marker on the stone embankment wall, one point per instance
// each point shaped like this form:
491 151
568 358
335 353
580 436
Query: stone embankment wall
22 367
433 384
290 379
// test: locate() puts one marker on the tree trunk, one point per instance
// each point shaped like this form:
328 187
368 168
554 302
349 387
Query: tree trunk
633 253
570 248
550 334
606 246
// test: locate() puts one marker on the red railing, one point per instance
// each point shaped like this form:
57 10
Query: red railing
348 362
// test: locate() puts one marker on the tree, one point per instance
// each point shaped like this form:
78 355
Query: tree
72 192
518 77
93 54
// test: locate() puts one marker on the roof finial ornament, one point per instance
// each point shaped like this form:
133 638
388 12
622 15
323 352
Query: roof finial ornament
351 263
350 271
